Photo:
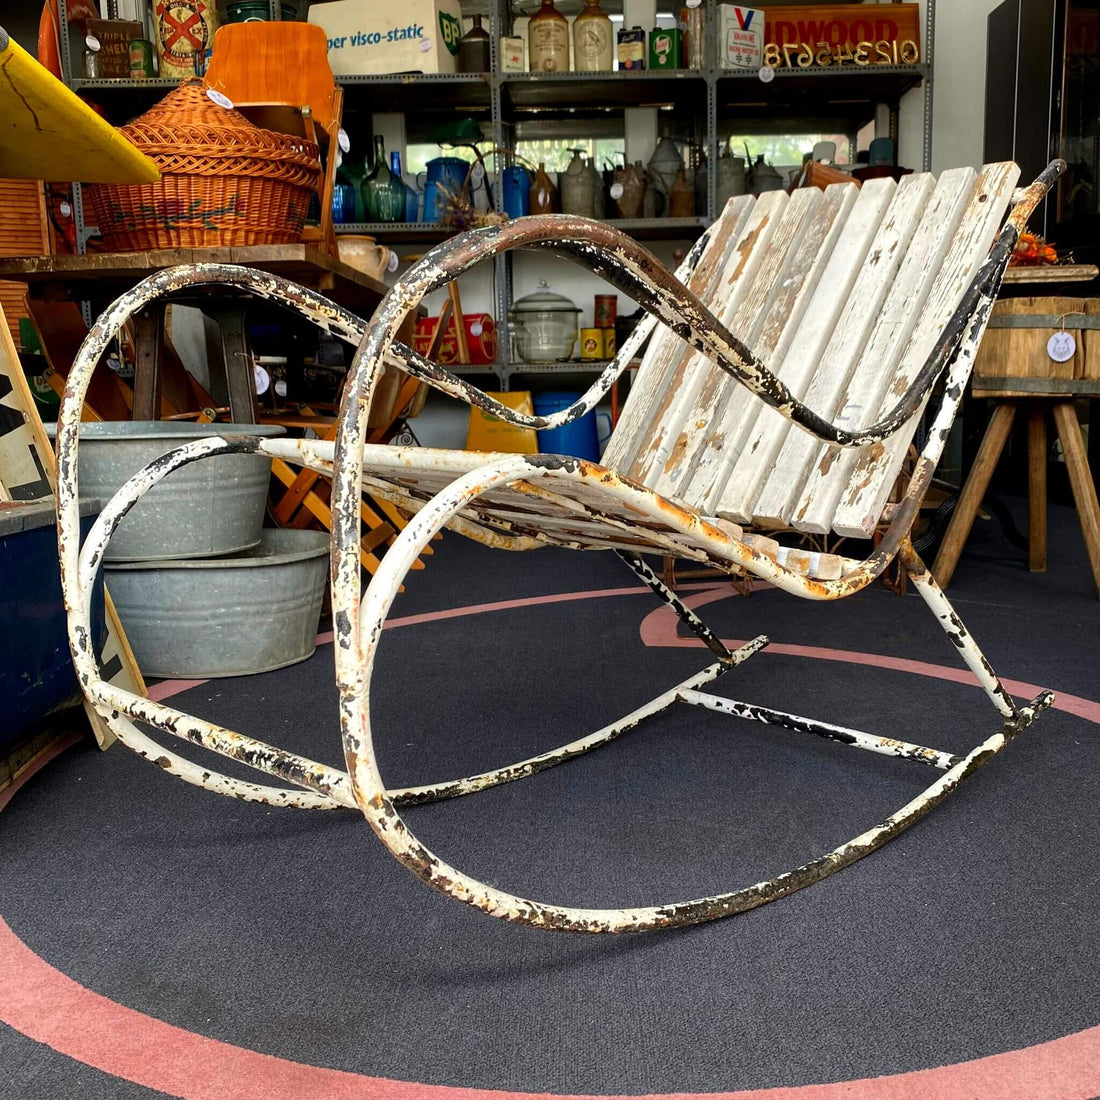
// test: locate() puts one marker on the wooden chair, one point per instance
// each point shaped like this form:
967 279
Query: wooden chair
278 75
849 305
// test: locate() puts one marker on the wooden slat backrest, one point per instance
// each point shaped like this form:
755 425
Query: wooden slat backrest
768 429
667 353
843 297
737 275
698 429
737 408
869 474
825 393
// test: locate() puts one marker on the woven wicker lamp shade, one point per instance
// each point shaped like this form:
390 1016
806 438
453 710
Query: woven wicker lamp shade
223 180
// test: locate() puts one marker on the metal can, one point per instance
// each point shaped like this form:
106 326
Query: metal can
592 343
631 49
664 49
141 59
603 315
610 344
691 23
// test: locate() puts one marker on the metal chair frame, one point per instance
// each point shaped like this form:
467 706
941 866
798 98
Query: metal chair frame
359 616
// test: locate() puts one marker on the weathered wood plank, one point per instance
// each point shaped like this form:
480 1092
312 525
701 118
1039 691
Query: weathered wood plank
776 328
756 268
870 474
826 388
768 430
896 321
666 351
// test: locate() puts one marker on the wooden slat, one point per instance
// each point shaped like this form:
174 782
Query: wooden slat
712 429
826 388
667 353
897 319
686 382
699 440
1080 478
825 225
769 429
866 478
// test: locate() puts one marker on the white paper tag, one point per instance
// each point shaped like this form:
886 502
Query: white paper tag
91 42
692 3
66 210
392 263
280 388
616 191
261 379
344 140
1061 347
220 98
476 329
425 45
766 74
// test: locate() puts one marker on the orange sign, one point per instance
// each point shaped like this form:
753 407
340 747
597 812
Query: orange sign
842 24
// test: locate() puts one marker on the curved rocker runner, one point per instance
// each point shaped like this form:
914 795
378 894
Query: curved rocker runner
854 303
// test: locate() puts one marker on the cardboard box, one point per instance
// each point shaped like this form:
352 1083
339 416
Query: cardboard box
377 36
740 37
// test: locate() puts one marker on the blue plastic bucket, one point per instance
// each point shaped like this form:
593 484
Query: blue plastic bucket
579 438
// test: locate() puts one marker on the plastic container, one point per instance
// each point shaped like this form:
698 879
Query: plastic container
209 507
580 438
254 612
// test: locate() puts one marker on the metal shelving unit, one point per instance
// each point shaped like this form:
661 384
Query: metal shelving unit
706 100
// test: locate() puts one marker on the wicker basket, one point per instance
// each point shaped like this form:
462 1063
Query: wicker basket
223 180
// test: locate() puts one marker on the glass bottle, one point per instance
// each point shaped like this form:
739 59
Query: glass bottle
473 49
391 192
593 40
366 187
548 40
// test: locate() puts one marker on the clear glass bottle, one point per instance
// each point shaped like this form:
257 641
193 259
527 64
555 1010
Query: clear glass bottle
593 40
548 40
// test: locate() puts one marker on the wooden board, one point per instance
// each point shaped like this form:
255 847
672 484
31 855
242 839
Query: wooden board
27 462
48 133
825 226
686 391
825 391
769 430
877 363
667 355
872 471
702 443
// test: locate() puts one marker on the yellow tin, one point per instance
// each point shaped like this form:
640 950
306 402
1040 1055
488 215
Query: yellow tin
592 343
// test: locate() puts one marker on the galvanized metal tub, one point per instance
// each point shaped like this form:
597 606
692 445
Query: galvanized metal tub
206 509
202 618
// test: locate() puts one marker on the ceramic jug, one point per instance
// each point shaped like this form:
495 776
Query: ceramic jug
681 197
578 191
364 253
731 180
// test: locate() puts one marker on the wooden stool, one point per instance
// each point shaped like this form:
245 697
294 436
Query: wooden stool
1014 367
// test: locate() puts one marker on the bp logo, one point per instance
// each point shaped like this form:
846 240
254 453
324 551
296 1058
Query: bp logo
451 30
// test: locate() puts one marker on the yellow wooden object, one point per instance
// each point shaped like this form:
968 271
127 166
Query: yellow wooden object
487 433
47 133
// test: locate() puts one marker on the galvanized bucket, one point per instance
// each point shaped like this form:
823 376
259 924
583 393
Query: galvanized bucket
254 612
208 508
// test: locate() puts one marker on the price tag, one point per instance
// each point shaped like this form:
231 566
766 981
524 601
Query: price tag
476 329
66 210
425 45
280 388
261 379
339 158
766 74
91 42
344 140
616 191
692 3
1061 347
392 263
220 98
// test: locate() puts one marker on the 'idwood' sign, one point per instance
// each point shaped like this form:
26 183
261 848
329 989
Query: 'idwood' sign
842 24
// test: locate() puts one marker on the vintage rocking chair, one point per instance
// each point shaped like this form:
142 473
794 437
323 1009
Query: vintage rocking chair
848 305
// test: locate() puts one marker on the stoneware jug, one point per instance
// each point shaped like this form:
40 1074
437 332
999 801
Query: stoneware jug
364 253
578 191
